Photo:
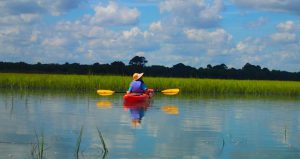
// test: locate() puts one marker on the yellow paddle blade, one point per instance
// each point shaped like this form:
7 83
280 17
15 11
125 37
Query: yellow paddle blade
105 92
170 91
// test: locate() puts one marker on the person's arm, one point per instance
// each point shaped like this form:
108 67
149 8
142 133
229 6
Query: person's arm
129 89
144 87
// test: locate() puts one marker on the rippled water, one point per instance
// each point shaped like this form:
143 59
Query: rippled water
168 127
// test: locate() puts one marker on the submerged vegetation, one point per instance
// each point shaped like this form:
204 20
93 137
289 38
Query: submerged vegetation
90 83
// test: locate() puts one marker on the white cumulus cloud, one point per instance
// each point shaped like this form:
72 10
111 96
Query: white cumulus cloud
218 36
214 43
289 6
56 42
113 14
187 31
19 19
250 46
283 37
155 26
258 22
193 13
287 26
53 7
58 7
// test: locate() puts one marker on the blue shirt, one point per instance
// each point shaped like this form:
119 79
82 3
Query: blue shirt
137 87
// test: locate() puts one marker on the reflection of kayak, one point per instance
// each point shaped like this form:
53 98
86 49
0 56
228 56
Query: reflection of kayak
136 104
136 109
133 97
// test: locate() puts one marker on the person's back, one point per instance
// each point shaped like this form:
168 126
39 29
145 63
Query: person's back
137 85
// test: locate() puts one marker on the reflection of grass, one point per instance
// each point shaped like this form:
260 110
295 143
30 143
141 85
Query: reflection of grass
37 151
120 83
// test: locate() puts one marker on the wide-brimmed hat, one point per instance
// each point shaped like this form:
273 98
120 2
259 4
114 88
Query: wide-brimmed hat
137 76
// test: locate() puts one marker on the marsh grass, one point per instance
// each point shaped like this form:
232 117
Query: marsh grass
61 82
245 87
78 143
79 140
37 150
90 83
105 150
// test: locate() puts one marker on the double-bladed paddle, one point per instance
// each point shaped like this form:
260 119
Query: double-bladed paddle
104 92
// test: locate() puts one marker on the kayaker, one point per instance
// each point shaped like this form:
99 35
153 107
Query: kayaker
137 85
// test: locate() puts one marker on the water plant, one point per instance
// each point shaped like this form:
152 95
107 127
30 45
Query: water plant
105 150
78 143
37 150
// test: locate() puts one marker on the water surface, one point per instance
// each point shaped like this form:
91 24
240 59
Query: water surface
168 127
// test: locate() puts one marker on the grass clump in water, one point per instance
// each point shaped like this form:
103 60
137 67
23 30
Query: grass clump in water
37 151
105 150
78 143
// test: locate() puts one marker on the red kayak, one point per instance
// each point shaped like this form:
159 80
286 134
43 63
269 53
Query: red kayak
134 97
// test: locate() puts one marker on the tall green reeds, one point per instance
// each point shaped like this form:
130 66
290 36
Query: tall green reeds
78 143
61 82
79 140
218 87
90 83
37 151
105 150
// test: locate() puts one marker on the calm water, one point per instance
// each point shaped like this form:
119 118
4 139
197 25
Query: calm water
169 127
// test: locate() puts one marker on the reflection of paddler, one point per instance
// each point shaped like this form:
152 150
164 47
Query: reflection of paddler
170 109
136 115
104 104
137 111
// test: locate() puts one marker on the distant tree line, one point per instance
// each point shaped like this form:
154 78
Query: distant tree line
138 64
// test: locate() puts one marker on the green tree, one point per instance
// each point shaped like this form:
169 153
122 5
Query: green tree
138 61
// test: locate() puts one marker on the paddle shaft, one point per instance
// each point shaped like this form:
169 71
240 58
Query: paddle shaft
166 91
126 91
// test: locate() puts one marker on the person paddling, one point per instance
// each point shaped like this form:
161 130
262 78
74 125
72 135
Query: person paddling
137 86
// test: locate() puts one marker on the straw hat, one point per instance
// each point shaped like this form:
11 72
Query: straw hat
137 76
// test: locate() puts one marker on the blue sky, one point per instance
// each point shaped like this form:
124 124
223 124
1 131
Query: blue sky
166 32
